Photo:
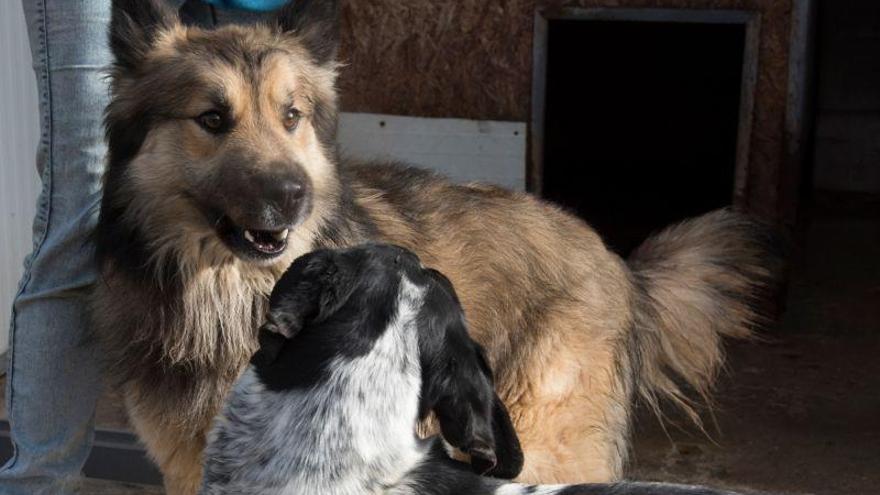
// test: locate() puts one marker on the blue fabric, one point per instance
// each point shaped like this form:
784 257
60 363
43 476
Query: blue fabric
53 379
253 5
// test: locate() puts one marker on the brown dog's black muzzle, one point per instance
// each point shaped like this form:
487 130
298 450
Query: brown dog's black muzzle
256 206
278 198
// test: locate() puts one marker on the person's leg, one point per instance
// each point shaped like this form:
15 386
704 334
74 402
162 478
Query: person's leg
53 377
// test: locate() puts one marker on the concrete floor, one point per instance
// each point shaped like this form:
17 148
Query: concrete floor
795 415
798 412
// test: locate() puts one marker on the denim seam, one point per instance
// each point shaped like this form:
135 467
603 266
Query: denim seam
45 204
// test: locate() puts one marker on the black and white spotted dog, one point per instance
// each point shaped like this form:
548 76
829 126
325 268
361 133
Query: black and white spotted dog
359 345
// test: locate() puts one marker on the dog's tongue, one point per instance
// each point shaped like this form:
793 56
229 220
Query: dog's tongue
267 241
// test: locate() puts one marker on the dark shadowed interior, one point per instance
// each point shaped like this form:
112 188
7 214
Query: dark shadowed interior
641 122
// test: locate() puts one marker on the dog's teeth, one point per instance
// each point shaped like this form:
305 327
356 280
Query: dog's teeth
281 235
249 236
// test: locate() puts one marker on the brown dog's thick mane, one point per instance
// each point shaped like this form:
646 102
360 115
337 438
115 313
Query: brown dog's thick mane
178 309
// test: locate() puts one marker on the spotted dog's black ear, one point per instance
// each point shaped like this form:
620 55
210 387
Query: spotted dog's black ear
508 452
315 23
459 389
315 286
134 26
296 296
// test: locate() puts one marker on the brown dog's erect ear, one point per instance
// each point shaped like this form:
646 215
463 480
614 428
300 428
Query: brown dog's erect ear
315 23
133 28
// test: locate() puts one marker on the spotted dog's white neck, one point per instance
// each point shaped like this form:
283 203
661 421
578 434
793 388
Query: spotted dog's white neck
352 433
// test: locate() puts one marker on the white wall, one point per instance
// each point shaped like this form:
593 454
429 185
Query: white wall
19 132
464 150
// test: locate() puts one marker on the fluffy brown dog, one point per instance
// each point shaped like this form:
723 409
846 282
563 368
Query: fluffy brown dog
222 169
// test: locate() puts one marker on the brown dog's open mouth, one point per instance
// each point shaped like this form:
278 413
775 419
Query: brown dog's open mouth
266 241
252 243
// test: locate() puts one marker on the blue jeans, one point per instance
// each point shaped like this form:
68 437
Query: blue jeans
53 380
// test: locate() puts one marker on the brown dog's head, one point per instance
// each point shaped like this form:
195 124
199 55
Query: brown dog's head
221 142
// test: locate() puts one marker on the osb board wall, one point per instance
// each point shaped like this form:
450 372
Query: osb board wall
473 59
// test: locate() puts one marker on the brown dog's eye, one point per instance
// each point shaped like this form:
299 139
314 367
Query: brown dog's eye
211 121
291 119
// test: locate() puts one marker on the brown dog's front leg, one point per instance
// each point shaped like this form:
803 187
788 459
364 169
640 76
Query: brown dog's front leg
177 452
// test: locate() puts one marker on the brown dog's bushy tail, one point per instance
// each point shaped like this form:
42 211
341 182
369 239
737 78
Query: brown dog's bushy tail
697 282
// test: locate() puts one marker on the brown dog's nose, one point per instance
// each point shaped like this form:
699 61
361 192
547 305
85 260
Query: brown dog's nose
267 196
291 189
283 192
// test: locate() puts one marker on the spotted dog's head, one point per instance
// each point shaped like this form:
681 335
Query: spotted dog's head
339 302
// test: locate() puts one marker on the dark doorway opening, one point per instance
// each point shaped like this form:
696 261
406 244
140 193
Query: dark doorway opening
641 122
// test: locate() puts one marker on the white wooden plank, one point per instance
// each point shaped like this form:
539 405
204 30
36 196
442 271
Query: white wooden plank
19 133
464 150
